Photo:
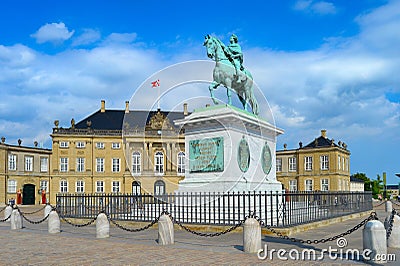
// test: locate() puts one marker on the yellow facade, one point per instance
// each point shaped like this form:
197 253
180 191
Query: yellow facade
138 159
322 165
24 173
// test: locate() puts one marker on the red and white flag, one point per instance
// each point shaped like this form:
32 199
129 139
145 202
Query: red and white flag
155 84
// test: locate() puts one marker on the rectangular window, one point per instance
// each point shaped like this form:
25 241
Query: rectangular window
308 163
115 186
159 163
338 162
324 184
29 163
63 164
339 184
181 163
44 164
12 186
99 165
292 185
99 186
80 164
44 185
324 161
115 165
292 164
100 145
115 145
136 162
12 162
343 163
279 164
309 185
80 144
64 144
63 186
80 186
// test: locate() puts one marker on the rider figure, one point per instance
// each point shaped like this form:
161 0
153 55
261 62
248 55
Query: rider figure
235 52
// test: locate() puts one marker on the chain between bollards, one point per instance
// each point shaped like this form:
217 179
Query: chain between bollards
372 216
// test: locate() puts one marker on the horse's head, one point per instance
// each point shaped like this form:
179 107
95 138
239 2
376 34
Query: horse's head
209 43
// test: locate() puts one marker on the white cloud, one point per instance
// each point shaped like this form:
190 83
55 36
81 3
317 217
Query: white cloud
121 38
89 36
315 7
52 32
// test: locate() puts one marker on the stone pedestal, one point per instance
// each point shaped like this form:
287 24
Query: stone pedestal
251 236
102 226
228 150
374 239
16 220
54 225
165 230
394 239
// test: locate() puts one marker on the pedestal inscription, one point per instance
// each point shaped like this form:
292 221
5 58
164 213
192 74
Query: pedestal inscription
206 155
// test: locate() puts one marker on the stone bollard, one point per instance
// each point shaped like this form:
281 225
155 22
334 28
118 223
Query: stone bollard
388 206
47 210
16 220
251 236
165 230
102 226
54 223
394 239
7 213
374 240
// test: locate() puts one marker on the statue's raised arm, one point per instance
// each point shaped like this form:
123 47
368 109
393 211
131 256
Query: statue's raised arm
229 71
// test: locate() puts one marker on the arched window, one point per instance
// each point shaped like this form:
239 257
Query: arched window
136 163
159 163
181 163
136 188
159 187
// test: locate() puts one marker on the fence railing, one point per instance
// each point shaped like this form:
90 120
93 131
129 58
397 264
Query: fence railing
278 209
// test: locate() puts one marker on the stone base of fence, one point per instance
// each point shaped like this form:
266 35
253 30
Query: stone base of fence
288 231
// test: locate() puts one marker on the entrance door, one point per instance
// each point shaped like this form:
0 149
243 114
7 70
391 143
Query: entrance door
28 195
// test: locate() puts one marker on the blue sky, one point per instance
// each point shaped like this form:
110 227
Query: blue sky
330 65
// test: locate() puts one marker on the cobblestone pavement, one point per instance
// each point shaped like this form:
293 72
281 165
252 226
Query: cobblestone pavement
33 245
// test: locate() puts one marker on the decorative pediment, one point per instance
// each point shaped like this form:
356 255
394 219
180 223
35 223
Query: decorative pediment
159 122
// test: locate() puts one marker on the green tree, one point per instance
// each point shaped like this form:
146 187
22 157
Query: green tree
377 186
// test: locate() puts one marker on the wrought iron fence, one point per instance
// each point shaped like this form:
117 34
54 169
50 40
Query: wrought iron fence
278 209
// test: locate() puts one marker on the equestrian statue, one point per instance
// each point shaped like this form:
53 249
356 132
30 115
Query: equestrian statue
230 73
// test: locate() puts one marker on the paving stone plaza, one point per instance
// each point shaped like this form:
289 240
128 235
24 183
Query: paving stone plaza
33 245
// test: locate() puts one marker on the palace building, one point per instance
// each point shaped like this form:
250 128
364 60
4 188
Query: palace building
321 165
119 151
24 173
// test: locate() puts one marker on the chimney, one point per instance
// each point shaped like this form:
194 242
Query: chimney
126 107
185 109
323 133
103 106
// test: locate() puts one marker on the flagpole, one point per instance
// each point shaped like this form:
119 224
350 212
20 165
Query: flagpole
158 105
155 84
